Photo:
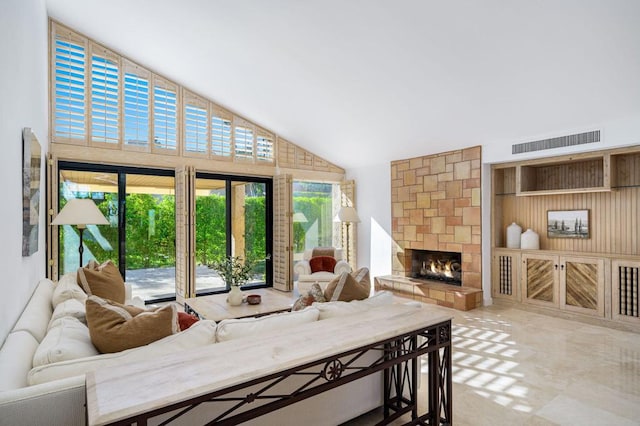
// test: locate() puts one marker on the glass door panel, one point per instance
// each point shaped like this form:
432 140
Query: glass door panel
100 242
211 232
150 234
249 239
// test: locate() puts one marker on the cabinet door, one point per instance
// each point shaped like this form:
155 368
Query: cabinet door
505 269
626 291
540 279
582 285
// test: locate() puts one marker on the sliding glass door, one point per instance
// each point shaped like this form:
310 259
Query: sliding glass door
233 218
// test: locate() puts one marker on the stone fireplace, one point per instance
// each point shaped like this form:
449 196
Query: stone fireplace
436 206
441 266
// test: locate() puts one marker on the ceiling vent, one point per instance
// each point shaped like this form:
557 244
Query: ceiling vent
560 141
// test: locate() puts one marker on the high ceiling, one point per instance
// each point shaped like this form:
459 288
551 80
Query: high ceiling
363 82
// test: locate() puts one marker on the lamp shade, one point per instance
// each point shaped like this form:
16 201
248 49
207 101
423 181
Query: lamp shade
80 211
348 215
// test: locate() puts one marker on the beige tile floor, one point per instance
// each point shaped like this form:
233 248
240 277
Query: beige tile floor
513 367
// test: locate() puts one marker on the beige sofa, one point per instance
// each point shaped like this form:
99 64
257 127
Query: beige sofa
53 393
306 278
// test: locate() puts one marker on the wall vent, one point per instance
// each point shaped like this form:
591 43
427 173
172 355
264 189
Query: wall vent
560 141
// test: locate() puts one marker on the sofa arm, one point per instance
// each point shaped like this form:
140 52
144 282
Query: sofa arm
302 268
342 266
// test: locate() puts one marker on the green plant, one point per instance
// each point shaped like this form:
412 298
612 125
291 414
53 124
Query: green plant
234 270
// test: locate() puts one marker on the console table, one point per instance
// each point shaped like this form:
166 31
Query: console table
251 372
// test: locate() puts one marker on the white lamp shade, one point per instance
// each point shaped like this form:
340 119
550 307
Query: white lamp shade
348 215
80 211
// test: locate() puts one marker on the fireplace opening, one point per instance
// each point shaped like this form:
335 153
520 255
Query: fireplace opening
445 266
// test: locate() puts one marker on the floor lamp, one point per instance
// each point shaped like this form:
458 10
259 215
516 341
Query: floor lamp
80 212
348 215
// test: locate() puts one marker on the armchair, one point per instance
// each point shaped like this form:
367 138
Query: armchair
311 271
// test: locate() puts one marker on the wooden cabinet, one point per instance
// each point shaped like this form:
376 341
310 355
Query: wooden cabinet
625 285
571 283
505 269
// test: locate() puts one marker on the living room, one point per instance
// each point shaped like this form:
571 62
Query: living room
531 77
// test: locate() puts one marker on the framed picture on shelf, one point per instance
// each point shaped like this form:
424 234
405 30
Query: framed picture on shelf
568 223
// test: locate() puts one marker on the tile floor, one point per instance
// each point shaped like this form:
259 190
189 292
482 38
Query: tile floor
513 367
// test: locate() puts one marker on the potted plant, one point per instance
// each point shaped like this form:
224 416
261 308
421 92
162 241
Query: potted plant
235 271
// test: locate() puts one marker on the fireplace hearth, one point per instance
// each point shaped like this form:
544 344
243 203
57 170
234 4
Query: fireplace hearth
444 266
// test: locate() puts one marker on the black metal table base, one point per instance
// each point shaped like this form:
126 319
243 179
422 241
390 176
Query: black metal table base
398 358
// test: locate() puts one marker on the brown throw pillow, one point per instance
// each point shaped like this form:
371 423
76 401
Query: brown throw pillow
114 327
102 280
362 277
322 263
313 295
345 288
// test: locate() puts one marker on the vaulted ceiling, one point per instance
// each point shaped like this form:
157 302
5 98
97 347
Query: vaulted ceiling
363 82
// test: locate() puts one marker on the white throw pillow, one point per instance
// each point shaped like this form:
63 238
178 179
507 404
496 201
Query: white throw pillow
69 308
338 309
199 334
230 329
67 288
66 339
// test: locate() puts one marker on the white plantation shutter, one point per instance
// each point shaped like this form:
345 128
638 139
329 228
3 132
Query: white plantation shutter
282 214
265 146
165 114
220 132
137 106
69 52
195 124
105 96
243 134
348 198
184 228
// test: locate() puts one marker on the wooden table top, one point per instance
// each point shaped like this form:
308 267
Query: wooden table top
125 390
216 308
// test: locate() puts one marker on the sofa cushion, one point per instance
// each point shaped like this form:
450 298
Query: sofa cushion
315 294
115 327
66 339
230 329
322 263
67 288
345 288
338 308
16 355
102 280
36 315
199 334
69 308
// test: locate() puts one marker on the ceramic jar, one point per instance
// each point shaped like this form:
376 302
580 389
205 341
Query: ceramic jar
513 235
530 240
234 298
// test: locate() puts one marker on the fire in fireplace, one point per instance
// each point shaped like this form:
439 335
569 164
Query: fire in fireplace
437 265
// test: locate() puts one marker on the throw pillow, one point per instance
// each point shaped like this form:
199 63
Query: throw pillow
186 320
314 294
67 288
102 280
115 327
66 339
69 308
362 277
322 263
345 288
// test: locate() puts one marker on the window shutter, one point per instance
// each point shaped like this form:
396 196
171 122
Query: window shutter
243 134
136 106
68 86
220 132
348 198
105 96
264 146
195 124
165 114
282 214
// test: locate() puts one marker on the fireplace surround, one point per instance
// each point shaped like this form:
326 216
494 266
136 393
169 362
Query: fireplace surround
442 266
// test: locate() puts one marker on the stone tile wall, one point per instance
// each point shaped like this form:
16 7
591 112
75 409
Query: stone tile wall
435 202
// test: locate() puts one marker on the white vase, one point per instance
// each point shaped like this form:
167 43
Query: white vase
530 240
513 235
235 296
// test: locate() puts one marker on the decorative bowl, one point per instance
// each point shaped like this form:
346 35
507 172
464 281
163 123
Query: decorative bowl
254 299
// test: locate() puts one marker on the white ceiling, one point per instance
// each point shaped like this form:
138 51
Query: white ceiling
363 82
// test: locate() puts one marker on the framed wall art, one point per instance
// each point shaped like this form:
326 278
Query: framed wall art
568 223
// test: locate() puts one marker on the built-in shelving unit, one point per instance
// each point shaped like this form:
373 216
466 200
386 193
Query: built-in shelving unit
595 277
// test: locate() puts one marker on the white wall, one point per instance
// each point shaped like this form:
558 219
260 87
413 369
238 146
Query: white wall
23 103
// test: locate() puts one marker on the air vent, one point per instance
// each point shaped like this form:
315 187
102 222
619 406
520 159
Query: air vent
570 140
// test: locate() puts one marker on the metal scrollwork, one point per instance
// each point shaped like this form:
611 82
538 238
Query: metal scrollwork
443 334
332 370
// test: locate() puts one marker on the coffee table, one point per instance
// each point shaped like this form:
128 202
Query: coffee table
215 306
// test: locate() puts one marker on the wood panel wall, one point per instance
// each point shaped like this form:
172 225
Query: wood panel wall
614 219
